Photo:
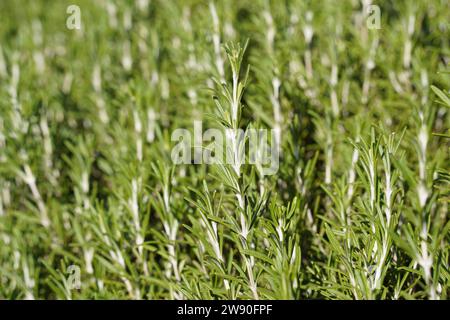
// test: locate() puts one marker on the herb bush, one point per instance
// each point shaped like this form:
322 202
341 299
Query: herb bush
92 205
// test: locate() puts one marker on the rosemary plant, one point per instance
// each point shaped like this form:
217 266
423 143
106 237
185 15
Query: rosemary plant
245 149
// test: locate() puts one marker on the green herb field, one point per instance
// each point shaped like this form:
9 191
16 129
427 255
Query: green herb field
203 149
